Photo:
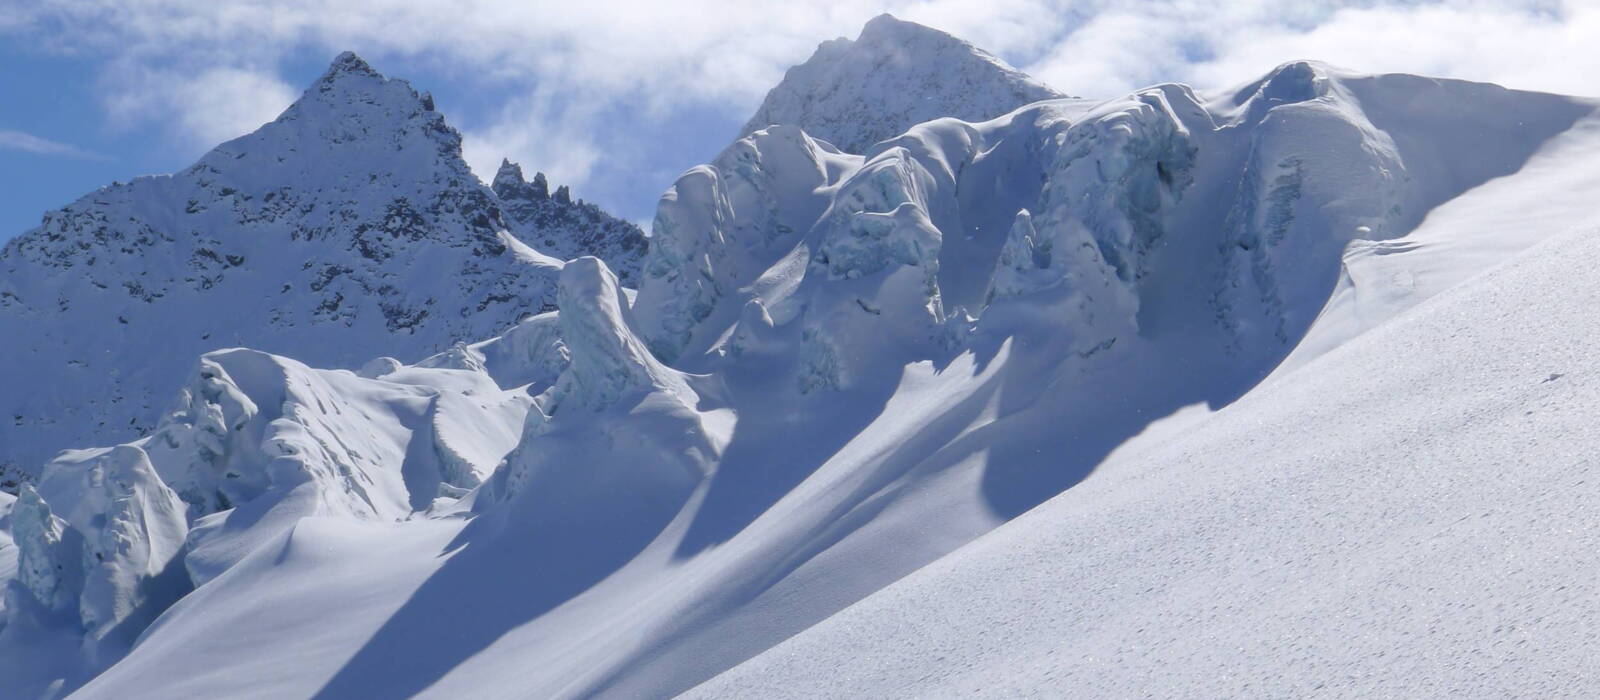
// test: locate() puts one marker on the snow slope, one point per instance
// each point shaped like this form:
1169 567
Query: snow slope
254 445
838 369
894 75
347 228
1409 515
1553 191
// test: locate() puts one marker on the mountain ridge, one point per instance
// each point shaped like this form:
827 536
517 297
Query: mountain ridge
349 222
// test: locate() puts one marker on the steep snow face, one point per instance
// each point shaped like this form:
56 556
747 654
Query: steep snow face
895 75
722 225
132 528
1358 529
1340 162
101 567
614 402
559 226
347 227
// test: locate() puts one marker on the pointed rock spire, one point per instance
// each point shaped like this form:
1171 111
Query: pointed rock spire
509 184
348 63
509 176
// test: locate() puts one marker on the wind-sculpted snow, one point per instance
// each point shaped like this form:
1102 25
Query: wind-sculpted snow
326 443
348 227
837 370
254 443
897 74
1409 515
921 213
133 529
653 428
106 563
722 225
49 560
1118 171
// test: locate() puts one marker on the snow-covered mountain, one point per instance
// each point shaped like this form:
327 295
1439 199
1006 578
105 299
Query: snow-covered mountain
349 227
894 75
1410 516
1178 323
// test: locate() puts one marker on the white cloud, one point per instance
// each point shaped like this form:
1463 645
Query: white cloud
532 132
200 109
1531 44
1520 45
208 70
28 143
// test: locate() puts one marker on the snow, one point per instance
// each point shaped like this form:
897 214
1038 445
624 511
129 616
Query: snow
348 227
895 75
1101 396
1408 515
1475 231
254 445
722 225
565 229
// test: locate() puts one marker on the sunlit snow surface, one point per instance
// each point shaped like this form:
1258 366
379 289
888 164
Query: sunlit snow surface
1410 515
779 468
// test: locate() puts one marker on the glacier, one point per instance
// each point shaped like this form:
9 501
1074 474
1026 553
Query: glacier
1045 395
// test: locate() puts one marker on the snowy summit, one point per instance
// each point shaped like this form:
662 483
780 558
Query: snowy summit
895 75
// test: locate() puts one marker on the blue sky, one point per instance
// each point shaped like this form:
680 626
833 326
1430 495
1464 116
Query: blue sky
67 144
616 98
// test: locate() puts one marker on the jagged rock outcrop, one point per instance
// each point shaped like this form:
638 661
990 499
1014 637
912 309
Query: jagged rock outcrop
559 226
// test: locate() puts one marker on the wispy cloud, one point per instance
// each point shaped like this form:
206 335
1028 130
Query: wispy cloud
544 132
200 108
208 70
1528 44
28 143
